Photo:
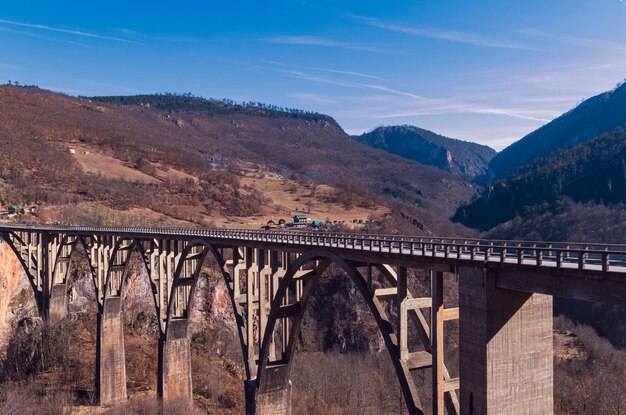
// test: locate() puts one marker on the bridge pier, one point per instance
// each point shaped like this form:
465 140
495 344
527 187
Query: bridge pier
274 402
110 356
506 349
174 379
57 307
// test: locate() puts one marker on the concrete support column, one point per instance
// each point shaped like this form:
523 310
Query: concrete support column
505 347
58 303
275 402
110 358
175 362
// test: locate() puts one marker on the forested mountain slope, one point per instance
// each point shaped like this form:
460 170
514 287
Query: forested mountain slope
465 159
594 171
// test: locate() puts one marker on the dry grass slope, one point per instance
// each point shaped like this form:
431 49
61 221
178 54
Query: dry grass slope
164 160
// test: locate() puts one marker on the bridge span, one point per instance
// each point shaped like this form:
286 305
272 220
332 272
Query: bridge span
504 311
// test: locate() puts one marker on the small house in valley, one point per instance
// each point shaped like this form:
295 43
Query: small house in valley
270 224
300 219
15 209
317 224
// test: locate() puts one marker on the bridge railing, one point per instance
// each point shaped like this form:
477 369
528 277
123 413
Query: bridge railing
559 255
602 257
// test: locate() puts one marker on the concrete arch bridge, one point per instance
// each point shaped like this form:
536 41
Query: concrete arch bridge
504 312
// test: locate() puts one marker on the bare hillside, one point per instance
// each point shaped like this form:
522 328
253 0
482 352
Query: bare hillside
196 165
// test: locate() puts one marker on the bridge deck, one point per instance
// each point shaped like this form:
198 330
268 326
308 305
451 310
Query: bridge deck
607 261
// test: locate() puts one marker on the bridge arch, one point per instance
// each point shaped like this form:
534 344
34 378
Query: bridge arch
61 273
114 282
11 238
51 302
185 276
110 348
274 378
175 374
200 257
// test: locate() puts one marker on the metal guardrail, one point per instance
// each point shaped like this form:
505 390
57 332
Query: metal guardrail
597 257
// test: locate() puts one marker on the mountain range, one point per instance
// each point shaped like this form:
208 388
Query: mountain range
579 157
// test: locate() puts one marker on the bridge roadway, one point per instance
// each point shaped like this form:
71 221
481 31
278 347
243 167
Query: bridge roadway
504 311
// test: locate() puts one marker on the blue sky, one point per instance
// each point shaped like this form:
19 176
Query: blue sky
485 71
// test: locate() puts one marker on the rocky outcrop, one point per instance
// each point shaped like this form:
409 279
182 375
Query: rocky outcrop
10 286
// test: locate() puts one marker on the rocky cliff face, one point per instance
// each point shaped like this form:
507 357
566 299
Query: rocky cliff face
13 295
212 305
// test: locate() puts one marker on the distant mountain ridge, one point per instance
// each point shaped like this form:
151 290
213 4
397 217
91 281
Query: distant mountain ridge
188 102
594 116
465 159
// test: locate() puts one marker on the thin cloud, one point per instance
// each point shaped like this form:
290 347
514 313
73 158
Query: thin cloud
551 99
65 90
178 39
456 108
66 31
322 41
579 78
317 78
116 87
453 36
302 3
8 66
164 38
431 106
70 42
270 62
326 70
395 91
515 113
127 32
307 96
500 143
352 73
573 40
356 131
530 31
308 77
592 43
